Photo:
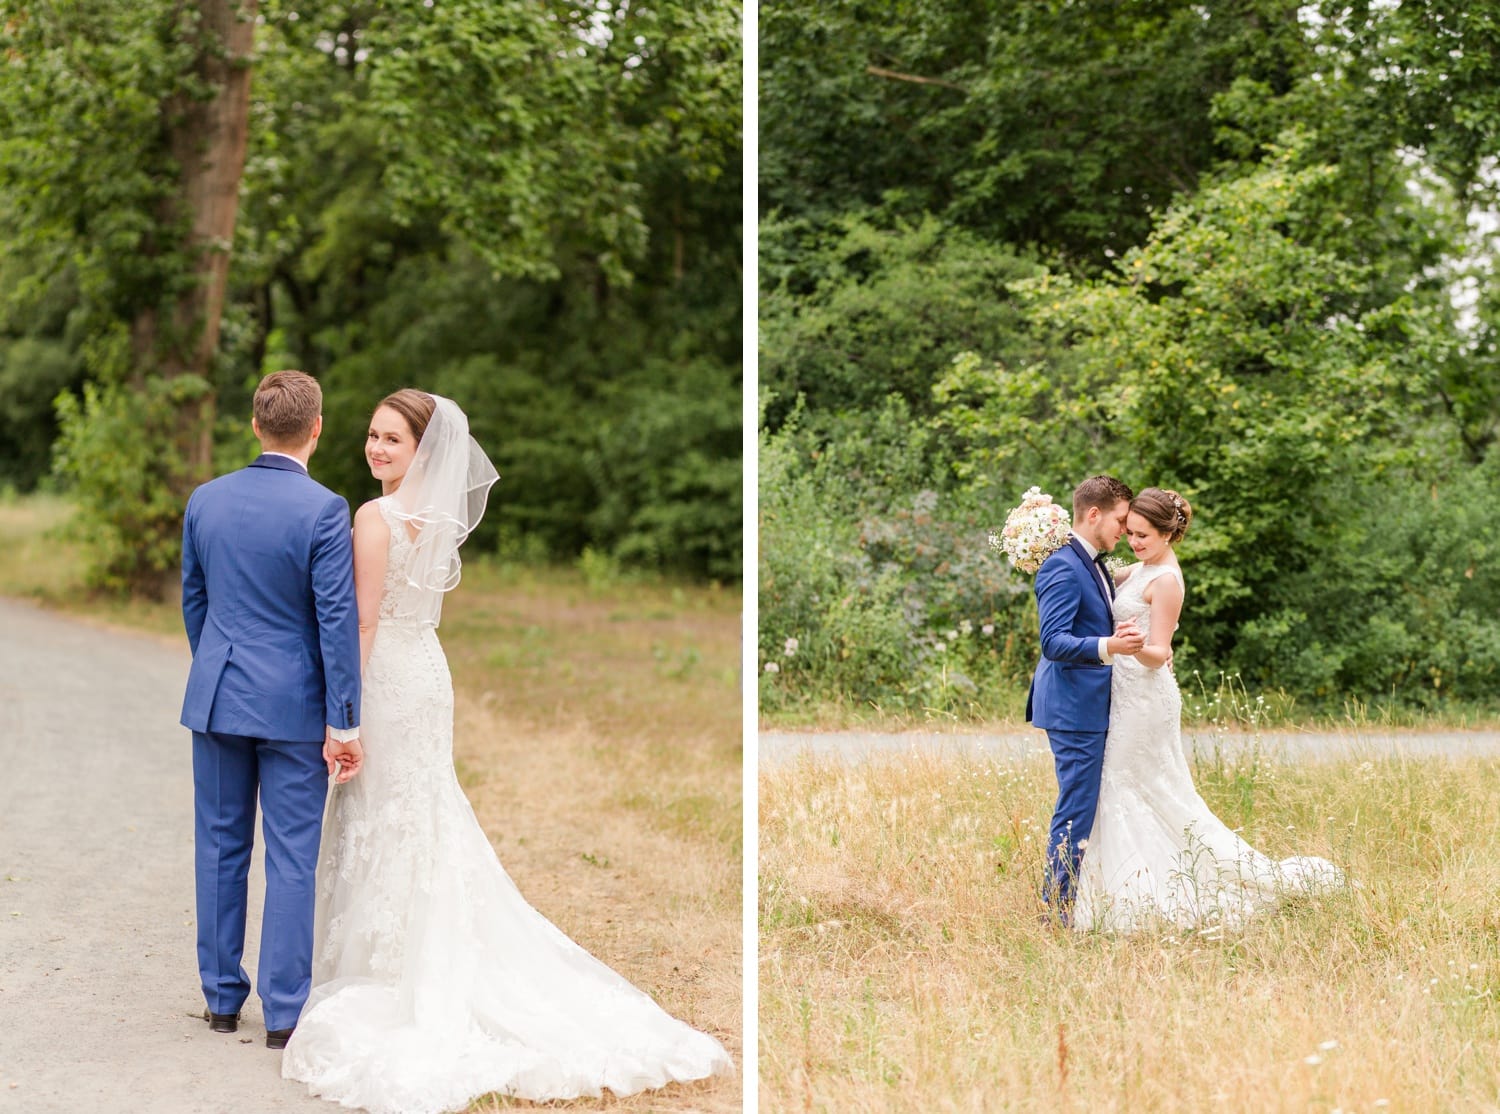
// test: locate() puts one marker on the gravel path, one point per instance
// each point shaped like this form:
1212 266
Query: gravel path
100 1007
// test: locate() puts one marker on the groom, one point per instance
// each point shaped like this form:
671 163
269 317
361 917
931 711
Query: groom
1069 696
272 698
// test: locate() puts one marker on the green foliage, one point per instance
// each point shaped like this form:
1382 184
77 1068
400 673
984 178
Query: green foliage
873 593
1056 125
123 485
878 307
534 209
32 372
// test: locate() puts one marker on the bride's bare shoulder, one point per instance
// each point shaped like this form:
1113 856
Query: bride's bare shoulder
368 518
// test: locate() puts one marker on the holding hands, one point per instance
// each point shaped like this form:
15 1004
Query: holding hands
1127 638
344 759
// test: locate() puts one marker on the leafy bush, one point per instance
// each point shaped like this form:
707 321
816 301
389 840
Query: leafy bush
118 449
871 592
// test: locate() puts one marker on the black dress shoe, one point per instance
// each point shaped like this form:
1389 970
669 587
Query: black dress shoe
277 1038
222 1022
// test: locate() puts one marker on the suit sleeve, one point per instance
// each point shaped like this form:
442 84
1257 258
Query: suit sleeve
1058 597
338 620
194 586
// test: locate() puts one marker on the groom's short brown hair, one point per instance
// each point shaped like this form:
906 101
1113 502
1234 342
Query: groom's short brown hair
1104 492
286 405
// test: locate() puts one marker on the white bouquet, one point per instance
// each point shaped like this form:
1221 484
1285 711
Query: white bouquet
1033 531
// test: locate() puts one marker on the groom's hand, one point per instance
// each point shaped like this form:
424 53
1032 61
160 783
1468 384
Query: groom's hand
1127 639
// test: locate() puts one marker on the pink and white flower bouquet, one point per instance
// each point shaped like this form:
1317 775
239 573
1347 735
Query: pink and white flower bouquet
1033 531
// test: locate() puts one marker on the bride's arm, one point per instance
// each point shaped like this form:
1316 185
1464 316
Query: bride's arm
372 540
1165 596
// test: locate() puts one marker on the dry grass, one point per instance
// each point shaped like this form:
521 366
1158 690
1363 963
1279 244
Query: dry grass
598 738
902 966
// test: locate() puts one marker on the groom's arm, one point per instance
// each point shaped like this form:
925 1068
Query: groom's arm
338 623
1058 597
194 584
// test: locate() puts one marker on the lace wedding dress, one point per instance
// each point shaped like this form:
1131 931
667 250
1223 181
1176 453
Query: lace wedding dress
434 981
1157 856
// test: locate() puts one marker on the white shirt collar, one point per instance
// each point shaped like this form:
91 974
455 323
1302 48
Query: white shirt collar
1089 549
288 456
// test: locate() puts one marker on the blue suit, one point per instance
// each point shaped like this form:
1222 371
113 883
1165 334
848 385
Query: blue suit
1069 699
268 602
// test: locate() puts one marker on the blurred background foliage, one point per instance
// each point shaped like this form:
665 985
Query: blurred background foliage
1242 250
533 208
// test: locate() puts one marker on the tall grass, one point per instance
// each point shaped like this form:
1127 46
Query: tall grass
902 966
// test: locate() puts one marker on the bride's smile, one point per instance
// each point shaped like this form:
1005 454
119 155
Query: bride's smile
389 448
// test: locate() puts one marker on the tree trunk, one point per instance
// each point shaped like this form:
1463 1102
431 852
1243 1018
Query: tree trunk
208 137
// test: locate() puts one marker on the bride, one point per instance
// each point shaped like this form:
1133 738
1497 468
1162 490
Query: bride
1156 854
434 982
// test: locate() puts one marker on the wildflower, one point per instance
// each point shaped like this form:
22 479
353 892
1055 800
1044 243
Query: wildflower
940 646
791 646
966 626
1328 1046
987 630
1313 1061
950 635
772 667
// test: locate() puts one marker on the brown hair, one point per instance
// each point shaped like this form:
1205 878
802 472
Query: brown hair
1168 512
1104 492
413 405
286 407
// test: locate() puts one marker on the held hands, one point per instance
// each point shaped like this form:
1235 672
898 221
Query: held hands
344 759
1127 639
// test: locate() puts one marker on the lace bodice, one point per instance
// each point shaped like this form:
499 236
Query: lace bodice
1130 600
398 599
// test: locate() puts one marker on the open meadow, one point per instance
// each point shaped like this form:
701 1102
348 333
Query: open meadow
902 965
598 738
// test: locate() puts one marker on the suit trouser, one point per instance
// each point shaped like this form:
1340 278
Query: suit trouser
291 780
1078 757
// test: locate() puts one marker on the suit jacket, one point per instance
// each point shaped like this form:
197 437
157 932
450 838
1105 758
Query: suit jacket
268 602
1070 689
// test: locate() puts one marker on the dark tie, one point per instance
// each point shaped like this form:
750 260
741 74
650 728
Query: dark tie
1109 581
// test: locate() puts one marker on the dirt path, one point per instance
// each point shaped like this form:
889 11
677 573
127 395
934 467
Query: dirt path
99 998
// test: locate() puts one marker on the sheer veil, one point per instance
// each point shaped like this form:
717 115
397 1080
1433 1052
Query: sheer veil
443 495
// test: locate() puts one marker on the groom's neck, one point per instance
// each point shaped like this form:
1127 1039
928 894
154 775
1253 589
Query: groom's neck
300 453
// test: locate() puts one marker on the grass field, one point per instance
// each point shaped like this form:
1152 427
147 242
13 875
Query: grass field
902 966
598 737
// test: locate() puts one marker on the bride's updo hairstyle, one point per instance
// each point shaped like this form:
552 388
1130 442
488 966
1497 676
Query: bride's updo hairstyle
413 405
1167 511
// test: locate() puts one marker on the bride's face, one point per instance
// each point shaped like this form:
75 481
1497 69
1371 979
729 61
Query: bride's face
1146 542
389 447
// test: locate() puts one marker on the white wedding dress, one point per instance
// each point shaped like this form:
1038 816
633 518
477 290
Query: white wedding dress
434 982
1157 857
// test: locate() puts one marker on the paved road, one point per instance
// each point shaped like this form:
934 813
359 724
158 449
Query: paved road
779 748
99 1000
